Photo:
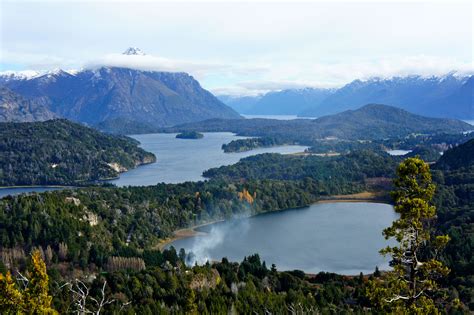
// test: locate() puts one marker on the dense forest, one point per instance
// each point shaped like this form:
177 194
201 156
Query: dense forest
59 152
113 235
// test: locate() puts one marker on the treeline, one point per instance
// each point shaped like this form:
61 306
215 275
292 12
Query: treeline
242 145
454 174
111 234
428 147
63 153
224 287
98 222
342 171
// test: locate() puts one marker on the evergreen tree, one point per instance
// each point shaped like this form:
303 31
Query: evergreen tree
409 287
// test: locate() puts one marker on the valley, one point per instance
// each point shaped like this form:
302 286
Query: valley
193 157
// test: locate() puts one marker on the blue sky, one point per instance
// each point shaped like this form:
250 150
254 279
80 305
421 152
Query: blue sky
243 47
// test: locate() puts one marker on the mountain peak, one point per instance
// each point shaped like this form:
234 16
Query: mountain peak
133 51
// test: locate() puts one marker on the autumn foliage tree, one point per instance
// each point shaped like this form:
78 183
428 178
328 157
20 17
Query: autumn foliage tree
410 286
33 297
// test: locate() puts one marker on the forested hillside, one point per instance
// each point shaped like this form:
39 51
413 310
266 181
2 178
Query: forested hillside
63 153
454 174
370 122
114 233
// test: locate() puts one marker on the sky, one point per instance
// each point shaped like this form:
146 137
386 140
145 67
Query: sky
243 48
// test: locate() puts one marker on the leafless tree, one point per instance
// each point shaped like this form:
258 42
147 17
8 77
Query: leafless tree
84 303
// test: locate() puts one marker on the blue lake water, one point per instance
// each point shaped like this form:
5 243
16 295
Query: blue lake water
178 160
181 160
340 237
398 152
277 117
24 190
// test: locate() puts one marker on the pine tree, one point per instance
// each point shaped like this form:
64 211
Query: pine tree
409 287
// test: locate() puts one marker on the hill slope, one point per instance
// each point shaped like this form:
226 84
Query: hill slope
15 108
95 96
458 157
61 152
369 122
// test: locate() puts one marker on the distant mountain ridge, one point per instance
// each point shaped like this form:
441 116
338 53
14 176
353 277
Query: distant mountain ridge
370 122
285 102
448 96
111 93
434 96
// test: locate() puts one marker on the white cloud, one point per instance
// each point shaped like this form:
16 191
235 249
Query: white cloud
243 48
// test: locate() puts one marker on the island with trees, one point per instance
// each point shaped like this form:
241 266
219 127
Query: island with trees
190 135
109 237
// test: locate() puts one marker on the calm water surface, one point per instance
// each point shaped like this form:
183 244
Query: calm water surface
24 190
335 237
180 160
277 117
398 152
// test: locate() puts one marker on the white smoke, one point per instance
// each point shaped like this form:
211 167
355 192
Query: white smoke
201 250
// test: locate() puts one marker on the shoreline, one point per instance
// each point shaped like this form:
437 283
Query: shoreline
373 197
36 186
184 233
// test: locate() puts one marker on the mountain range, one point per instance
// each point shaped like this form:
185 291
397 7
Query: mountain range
449 96
285 102
370 122
95 96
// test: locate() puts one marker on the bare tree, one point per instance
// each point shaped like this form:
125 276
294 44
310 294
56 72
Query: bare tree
63 251
84 303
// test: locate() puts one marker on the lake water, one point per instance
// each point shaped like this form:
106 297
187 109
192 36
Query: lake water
180 160
277 117
398 152
24 190
340 237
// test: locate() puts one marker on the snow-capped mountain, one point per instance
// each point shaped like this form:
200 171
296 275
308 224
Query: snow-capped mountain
450 96
134 51
430 96
106 94
285 102
17 75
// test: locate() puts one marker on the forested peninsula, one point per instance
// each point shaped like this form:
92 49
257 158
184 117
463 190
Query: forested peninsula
113 233
60 152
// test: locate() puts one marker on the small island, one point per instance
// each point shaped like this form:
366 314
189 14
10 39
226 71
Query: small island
190 135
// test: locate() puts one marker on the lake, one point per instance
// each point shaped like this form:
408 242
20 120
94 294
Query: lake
342 237
20 190
398 152
180 160
277 117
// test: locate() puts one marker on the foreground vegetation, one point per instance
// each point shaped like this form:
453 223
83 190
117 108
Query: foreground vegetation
59 152
107 238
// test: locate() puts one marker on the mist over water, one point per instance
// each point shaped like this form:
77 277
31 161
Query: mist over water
335 237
